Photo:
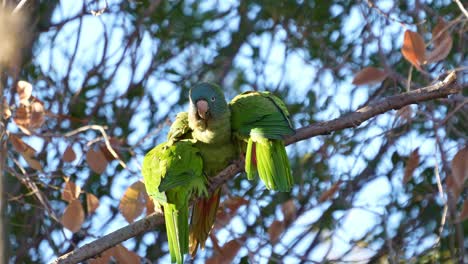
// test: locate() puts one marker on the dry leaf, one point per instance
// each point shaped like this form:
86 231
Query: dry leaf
369 75
150 207
459 171
414 49
330 192
289 210
96 160
133 201
69 154
73 217
228 252
22 116
92 203
37 115
18 144
438 29
411 164
24 90
115 144
464 213
32 162
275 230
405 113
70 191
227 210
123 255
440 52
103 258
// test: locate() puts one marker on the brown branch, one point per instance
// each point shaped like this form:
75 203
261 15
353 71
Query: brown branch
439 90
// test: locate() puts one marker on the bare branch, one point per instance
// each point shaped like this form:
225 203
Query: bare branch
439 90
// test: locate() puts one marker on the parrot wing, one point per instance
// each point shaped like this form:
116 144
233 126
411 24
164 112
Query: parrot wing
259 123
173 172
180 128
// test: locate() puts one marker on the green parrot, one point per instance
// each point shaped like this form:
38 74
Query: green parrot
259 122
208 124
173 173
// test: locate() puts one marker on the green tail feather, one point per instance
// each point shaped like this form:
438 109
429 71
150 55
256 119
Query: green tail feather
250 168
177 231
273 165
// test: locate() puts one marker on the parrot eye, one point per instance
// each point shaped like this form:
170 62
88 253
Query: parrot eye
213 99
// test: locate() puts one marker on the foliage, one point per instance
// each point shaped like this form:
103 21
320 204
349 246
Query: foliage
100 82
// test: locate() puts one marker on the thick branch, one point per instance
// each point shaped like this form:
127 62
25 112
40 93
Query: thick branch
439 90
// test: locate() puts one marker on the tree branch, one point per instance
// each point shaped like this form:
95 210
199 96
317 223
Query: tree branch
353 119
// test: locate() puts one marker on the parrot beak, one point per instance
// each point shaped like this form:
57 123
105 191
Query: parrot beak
202 108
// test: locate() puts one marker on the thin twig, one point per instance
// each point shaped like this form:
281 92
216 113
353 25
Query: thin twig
462 8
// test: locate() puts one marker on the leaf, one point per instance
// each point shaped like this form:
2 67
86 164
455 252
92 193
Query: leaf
18 143
24 91
37 115
32 162
441 51
22 116
369 75
227 210
96 160
150 207
414 49
133 201
103 258
92 203
123 255
439 29
289 210
115 144
330 192
73 217
275 230
464 213
70 191
459 174
69 154
228 252
405 113
411 164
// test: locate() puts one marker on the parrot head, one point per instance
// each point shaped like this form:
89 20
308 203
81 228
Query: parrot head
207 102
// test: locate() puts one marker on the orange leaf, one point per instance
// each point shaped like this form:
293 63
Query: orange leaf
275 230
228 252
96 160
24 90
411 165
123 255
37 115
133 201
92 203
70 191
22 116
414 49
69 154
464 213
405 113
73 217
18 144
32 162
440 52
103 258
289 210
439 29
369 75
459 171
227 210
330 192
